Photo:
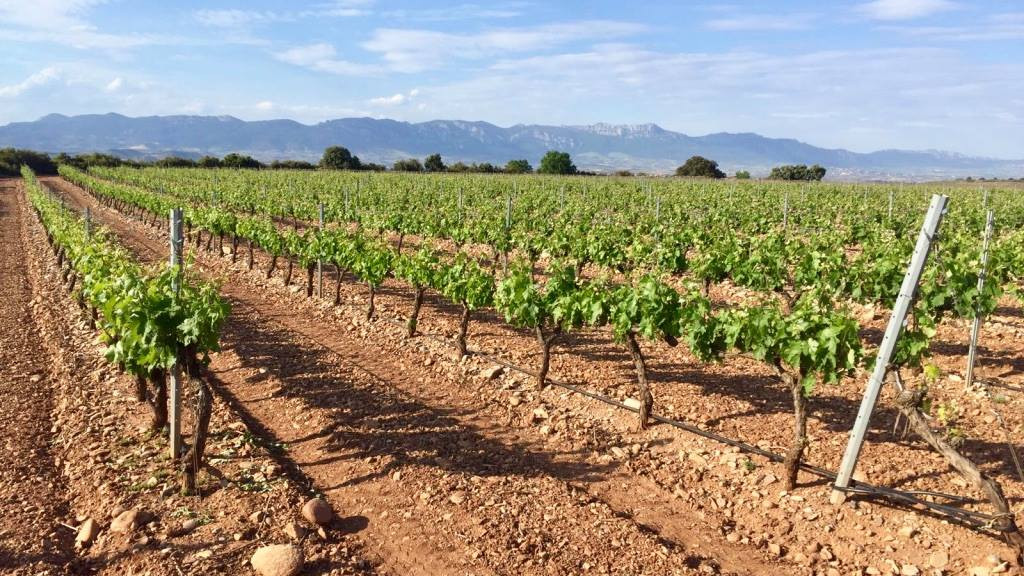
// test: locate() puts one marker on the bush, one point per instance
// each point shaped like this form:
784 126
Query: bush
339 158
433 163
11 160
555 162
798 172
234 160
742 175
291 165
700 167
407 165
208 162
521 166
174 162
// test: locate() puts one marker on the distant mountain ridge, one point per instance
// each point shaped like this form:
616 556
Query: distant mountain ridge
599 147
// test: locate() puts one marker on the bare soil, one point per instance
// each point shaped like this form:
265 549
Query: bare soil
439 469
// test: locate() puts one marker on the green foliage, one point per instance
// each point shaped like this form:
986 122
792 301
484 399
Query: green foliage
143 321
433 163
174 162
521 166
339 158
12 159
555 162
291 165
235 160
798 172
466 282
407 165
700 167
208 162
742 175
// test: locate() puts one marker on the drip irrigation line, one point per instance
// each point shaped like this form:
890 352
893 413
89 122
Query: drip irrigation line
906 497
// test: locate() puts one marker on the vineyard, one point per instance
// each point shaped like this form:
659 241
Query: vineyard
498 374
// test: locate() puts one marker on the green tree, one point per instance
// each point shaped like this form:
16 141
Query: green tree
521 166
339 158
407 165
798 172
742 175
433 163
235 160
175 162
555 162
12 159
291 165
700 167
209 162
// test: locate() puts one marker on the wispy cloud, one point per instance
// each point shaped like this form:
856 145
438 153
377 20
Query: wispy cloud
996 28
418 50
904 9
323 57
41 78
767 22
237 18
459 12
395 99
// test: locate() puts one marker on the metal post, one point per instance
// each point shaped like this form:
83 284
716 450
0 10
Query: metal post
976 327
508 214
899 315
88 227
891 194
175 372
657 209
319 261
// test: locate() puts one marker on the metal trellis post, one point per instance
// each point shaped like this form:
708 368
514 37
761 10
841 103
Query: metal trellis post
976 326
174 383
899 316
319 261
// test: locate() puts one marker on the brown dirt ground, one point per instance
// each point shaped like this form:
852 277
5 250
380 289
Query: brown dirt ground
454 473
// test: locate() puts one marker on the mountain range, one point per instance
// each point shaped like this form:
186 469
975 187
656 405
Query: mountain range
596 147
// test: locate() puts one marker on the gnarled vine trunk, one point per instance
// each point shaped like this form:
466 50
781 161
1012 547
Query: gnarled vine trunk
546 341
646 398
272 266
193 459
460 341
234 248
908 402
371 307
309 279
159 399
248 263
288 273
417 303
794 456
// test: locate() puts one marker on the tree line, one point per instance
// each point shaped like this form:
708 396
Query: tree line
340 158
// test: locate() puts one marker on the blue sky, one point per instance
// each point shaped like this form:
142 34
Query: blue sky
863 75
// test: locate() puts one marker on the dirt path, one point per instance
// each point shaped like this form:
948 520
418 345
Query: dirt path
438 483
32 501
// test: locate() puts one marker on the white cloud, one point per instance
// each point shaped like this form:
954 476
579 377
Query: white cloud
756 22
236 18
115 84
395 99
322 57
904 9
265 106
996 28
467 11
418 50
41 78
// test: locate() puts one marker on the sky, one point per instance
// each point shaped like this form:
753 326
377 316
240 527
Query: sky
862 75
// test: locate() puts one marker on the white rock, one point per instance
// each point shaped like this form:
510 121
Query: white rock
277 560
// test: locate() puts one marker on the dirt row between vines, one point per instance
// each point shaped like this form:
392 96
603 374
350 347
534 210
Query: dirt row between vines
437 489
691 492
78 450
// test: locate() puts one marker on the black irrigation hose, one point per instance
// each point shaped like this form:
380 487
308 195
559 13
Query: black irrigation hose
911 498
